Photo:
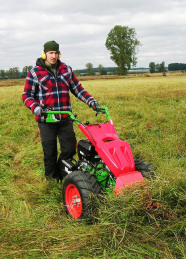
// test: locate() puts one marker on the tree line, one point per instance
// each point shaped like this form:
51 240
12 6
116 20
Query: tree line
14 73
176 67
157 68
90 70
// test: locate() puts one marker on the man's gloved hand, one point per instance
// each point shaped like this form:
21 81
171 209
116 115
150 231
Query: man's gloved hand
94 105
38 111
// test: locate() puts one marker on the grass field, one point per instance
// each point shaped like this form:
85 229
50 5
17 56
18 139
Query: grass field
149 222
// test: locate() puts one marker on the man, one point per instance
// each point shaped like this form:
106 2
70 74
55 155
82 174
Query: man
47 86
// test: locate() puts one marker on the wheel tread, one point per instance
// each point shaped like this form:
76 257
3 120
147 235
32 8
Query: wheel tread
86 183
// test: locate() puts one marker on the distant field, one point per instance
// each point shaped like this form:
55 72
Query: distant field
150 113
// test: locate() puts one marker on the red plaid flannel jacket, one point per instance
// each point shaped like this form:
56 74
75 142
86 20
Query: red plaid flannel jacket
42 88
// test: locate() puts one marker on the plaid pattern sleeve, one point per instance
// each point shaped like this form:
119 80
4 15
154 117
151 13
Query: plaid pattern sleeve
77 89
28 95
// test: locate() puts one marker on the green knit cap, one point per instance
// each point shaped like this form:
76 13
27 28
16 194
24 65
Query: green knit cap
51 46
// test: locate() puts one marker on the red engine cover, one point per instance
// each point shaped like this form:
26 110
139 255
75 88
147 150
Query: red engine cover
115 153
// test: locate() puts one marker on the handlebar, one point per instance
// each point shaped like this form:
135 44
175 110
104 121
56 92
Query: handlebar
51 114
103 110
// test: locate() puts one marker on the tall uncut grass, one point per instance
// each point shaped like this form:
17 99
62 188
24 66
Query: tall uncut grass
143 222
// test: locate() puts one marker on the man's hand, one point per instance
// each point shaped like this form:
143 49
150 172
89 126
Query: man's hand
94 105
38 111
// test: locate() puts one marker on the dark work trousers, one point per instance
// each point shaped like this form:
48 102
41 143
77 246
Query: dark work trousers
49 133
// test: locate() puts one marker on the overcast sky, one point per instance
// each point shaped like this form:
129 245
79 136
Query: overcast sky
82 26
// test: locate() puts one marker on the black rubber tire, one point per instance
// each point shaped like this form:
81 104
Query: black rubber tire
88 187
145 169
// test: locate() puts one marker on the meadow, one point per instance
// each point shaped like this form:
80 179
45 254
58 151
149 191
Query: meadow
147 222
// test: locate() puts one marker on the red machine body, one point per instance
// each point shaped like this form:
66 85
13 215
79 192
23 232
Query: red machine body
115 153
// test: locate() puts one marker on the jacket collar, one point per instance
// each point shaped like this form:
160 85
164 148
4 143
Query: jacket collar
40 62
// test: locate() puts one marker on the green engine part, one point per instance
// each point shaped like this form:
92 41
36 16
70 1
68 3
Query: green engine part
104 178
102 175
